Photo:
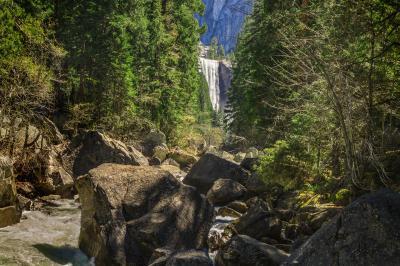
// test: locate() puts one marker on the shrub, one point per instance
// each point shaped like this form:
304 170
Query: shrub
285 163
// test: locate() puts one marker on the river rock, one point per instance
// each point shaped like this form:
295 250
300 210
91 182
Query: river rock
91 149
184 158
184 258
255 186
364 233
211 168
258 222
246 251
228 212
130 211
224 191
238 206
10 211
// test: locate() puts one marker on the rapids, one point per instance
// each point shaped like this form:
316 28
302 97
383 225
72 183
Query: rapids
48 237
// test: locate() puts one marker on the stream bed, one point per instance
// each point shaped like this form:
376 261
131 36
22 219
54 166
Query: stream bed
50 237
46 238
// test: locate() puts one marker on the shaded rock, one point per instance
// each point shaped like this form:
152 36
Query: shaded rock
211 168
238 206
244 250
129 211
153 139
10 211
154 161
182 157
224 191
258 222
9 215
235 143
91 149
323 215
249 163
26 189
256 201
175 171
255 185
228 212
364 233
191 257
183 258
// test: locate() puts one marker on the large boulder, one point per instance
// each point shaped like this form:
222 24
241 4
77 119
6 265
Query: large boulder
175 171
259 222
153 139
255 186
224 191
51 177
130 211
364 233
10 212
91 149
246 251
210 168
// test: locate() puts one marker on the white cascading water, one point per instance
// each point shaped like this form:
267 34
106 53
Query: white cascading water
210 70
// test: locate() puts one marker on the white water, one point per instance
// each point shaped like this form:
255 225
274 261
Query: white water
210 70
44 238
217 229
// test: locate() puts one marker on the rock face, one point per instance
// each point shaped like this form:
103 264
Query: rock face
52 178
91 149
130 211
224 20
211 168
244 250
365 233
10 212
224 191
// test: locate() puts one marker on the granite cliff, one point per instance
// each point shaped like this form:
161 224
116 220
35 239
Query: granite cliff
224 20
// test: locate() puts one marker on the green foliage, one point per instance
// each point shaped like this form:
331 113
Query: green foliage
135 61
284 164
321 74
28 59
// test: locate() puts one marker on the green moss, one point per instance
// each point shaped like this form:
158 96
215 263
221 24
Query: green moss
343 196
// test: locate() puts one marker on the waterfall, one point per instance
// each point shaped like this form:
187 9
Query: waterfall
210 70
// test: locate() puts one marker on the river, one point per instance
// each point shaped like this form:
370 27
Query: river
46 238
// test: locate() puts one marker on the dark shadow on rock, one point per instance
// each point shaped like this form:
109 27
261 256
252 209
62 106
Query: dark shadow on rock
63 255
